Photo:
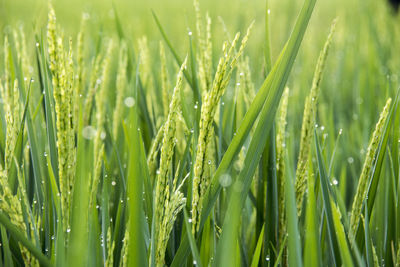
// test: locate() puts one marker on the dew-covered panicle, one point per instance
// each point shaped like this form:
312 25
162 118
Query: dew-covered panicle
81 68
12 110
204 55
20 45
121 84
307 128
153 153
96 176
164 81
280 161
94 84
175 203
124 250
363 181
61 66
166 201
101 100
80 54
10 203
145 66
210 103
110 247
246 81
7 67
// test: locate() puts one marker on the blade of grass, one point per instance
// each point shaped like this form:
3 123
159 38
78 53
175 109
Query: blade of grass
333 244
136 245
312 249
294 247
193 246
257 252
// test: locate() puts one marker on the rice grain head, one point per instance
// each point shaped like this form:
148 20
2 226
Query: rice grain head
280 161
167 204
201 178
363 181
307 128
121 85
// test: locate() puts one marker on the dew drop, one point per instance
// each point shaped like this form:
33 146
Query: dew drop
129 102
103 135
225 180
350 160
88 132
86 16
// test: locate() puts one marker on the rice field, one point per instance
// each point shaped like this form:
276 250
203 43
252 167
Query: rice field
199 133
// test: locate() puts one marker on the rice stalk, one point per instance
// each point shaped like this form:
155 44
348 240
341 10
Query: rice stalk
81 69
121 84
310 109
204 55
280 162
164 81
201 178
61 66
101 100
153 153
168 201
10 203
363 181
94 84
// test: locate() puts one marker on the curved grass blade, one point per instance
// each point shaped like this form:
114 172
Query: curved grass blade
312 250
193 246
294 247
136 244
257 251
344 248
327 205
368 243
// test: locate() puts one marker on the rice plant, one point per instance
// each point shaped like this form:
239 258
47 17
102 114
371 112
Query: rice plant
264 134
